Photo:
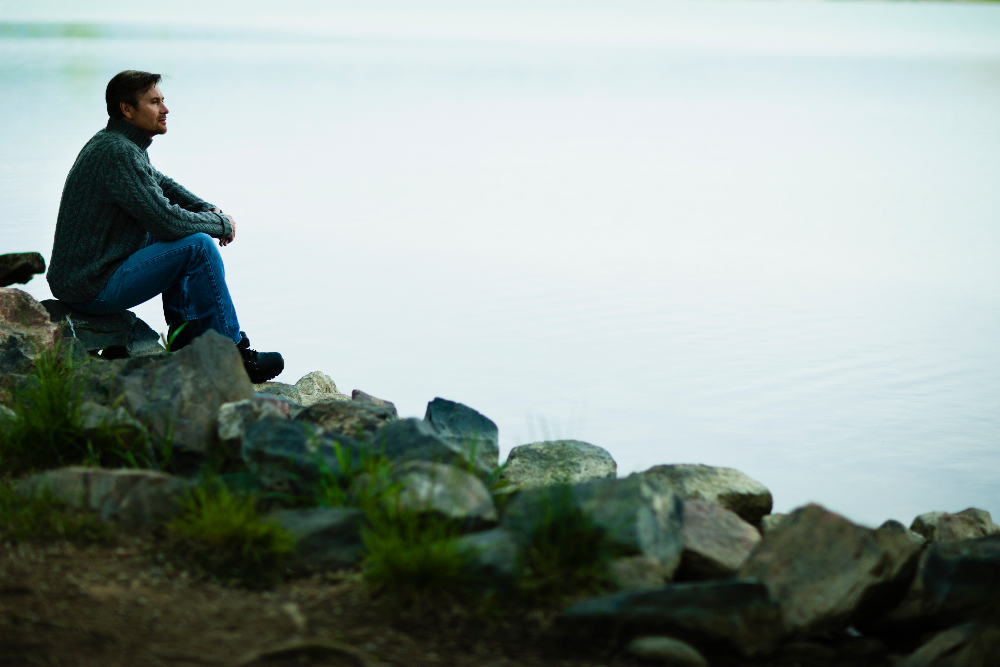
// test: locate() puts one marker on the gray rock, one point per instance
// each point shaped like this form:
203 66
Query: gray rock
826 572
328 537
294 408
292 452
466 430
494 556
235 417
416 440
636 573
288 392
438 488
6 414
25 331
132 498
180 395
637 515
311 388
965 525
967 645
557 462
738 614
954 582
358 420
20 267
95 416
99 332
769 522
725 486
716 541
359 396
666 651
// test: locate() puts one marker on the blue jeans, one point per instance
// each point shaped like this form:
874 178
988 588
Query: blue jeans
189 274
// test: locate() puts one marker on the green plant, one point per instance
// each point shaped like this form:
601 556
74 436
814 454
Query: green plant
221 534
362 482
567 555
43 517
168 341
414 558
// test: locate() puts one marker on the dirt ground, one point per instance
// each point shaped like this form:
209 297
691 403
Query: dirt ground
114 605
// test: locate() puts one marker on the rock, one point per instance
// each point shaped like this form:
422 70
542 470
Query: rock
637 515
6 414
179 396
954 582
557 462
769 522
809 653
416 440
235 417
328 537
727 487
636 573
100 332
427 487
132 498
95 416
352 418
716 541
289 392
825 571
359 396
301 650
20 267
494 555
667 651
294 408
292 452
965 525
25 331
967 645
311 389
736 613
466 430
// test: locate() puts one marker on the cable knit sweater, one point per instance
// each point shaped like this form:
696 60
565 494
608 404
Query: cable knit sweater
112 197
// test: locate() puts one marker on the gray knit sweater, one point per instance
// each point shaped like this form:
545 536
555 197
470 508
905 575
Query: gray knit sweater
112 197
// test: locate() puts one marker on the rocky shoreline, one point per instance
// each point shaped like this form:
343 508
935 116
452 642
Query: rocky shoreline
701 566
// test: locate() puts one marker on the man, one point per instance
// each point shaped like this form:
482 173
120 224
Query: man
126 232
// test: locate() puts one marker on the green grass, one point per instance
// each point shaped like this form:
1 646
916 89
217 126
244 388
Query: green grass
43 517
220 534
48 428
567 555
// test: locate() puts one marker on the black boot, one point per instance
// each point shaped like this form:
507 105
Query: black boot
181 334
261 366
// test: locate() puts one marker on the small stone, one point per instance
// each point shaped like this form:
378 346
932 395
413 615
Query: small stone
355 419
667 651
716 541
728 487
25 331
466 429
636 573
359 396
769 522
557 462
965 525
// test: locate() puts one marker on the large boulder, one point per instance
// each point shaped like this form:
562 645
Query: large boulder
132 498
288 452
311 388
25 331
725 486
734 613
416 440
359 396
179 396
356 419
827 572
637 515
20 267
119 334
966 645
444 490
465 429
965 525
716 541
327 537
954 582
557 462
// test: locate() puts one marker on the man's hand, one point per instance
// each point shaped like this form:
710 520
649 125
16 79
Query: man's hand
225 242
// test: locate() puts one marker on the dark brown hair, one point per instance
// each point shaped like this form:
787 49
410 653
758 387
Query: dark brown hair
128 87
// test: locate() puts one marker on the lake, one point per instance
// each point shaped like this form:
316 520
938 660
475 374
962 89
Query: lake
762 235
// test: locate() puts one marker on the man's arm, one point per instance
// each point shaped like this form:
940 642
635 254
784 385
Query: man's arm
132 185
179 195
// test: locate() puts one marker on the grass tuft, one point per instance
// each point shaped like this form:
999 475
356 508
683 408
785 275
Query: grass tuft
43 517
221 534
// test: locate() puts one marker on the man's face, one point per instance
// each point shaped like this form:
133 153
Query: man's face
151 116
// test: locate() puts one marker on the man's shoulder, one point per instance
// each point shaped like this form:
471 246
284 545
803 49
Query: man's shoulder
109 148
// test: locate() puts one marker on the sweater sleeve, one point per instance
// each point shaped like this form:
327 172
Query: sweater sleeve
131 183
179 195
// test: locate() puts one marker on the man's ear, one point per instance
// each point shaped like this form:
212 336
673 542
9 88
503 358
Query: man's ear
126 109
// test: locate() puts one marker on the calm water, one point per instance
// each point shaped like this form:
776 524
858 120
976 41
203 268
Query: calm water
760 235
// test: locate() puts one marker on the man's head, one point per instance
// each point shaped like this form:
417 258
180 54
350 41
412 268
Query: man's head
134 96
